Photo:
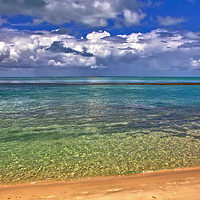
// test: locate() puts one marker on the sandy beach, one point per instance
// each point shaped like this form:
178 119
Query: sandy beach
182 184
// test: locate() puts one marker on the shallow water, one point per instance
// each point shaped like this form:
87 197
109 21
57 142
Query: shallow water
69 132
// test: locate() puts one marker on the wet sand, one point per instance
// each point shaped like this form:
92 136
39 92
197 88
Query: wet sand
181 184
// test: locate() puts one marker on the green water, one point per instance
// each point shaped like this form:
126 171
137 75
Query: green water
72 132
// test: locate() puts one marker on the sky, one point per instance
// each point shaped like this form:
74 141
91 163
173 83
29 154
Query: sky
99 38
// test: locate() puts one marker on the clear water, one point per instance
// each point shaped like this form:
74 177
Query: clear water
62 132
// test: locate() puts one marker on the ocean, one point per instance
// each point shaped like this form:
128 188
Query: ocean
68 130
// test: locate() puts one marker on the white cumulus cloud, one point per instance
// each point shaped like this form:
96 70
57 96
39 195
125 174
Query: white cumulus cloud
170 21
133 17
97 35
92 13
195 64
155 51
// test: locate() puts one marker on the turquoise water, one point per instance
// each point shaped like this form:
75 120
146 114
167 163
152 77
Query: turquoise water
63 132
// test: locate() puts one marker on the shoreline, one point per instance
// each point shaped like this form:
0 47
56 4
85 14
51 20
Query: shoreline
110 177
180 183
115 176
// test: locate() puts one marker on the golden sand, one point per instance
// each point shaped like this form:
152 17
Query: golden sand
181 184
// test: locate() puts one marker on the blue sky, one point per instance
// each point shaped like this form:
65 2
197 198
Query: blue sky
99 37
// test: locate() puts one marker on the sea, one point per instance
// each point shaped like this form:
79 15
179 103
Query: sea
66 128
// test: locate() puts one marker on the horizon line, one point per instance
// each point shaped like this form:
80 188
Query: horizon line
80 84
98 76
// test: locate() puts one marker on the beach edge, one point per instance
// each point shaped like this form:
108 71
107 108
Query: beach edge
184 182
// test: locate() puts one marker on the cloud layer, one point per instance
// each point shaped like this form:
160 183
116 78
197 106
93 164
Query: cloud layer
155 51
93 13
